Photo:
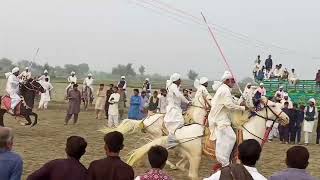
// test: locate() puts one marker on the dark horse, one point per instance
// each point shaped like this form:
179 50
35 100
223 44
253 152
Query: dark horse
28 91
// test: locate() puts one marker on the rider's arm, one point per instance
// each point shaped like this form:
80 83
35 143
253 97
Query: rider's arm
179 95
229 103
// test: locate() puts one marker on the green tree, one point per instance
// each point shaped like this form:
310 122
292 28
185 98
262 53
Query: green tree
192 75
142 70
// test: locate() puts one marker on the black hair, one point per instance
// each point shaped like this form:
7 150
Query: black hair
155 92
143 92
46 79
75 85
157 156
76 146
101 84
249 152
114 141
297 157
136 90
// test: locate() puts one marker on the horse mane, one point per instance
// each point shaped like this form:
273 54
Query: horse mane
239 118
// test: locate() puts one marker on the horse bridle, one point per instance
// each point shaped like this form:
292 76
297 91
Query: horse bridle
266 118
33 88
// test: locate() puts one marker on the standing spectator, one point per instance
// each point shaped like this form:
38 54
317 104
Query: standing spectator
311 114
256 68
318 79
123 83
284 129
256 60
111 167
147 87
297 161
249 153
122 102
153 103
184 106
46 96
135 104
11 164
157 156
113 119
296 124
318 130
74 97
65 169
268 63
286 99
144 104
163 103
260 74
100 101
109 92
293 77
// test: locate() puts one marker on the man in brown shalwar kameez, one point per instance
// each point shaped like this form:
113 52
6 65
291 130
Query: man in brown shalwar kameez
106 107
65 169
74 97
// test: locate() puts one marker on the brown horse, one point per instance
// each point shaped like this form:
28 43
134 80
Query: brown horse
28 91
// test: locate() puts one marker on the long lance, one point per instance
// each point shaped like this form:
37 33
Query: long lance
220 50
34 57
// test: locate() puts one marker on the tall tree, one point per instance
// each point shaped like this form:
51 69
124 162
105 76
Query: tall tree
192 75
142 70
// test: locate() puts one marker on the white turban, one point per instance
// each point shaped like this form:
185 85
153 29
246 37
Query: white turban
89 74
216 85
261 84
226 75
203 80
175 77
26 68
14 70
72 73
147 79
123 77
45 71
281 87
285 95
312 100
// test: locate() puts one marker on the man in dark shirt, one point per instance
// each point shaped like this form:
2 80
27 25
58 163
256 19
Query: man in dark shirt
65 169
106 107
296 124
111 167
284 129
268 63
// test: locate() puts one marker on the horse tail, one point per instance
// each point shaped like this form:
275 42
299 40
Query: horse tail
138 154
126 126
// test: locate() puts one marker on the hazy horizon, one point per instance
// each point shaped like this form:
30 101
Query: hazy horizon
107 33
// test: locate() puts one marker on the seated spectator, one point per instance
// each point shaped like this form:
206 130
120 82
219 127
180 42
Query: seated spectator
10 162
261 89
277 73
280 92
65 169
260 74
293 77
297 161
157 156
249 153
111 167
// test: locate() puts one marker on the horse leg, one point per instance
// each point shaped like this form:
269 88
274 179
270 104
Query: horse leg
27 117
193 151
35 115
2 112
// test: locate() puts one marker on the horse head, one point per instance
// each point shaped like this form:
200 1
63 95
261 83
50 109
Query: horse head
276 111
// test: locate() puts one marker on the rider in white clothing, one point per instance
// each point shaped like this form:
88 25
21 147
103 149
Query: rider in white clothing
72 79
173 117
220 122
12 88
88 81
202 96
25 75
44 76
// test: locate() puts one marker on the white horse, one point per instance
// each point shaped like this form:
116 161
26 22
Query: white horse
190 137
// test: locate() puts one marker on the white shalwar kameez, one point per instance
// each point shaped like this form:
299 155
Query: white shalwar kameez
88 82
71 79
25 75
12 89
43 78
45 97
220 123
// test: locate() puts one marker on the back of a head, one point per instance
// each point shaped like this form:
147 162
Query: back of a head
76 146
6 136
157 156
249 152
114 141
297 157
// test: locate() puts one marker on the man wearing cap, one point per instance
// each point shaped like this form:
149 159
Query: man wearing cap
147 87
88 81
262 90
173 117
12 88
72 79
202 96
310 116
280 92
44 76
123 83
286 99
219 121
25 75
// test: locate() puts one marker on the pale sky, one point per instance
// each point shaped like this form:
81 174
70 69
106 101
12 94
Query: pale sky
105 33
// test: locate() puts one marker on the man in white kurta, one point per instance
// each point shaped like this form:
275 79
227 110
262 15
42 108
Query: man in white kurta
202 97
45 97
72 79
12 88
310 116
88 81
44 76
113 111
219 121
25 75
173 118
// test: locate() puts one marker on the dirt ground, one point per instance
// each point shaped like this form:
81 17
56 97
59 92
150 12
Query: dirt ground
46 141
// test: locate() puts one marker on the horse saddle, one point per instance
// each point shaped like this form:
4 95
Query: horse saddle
6 104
